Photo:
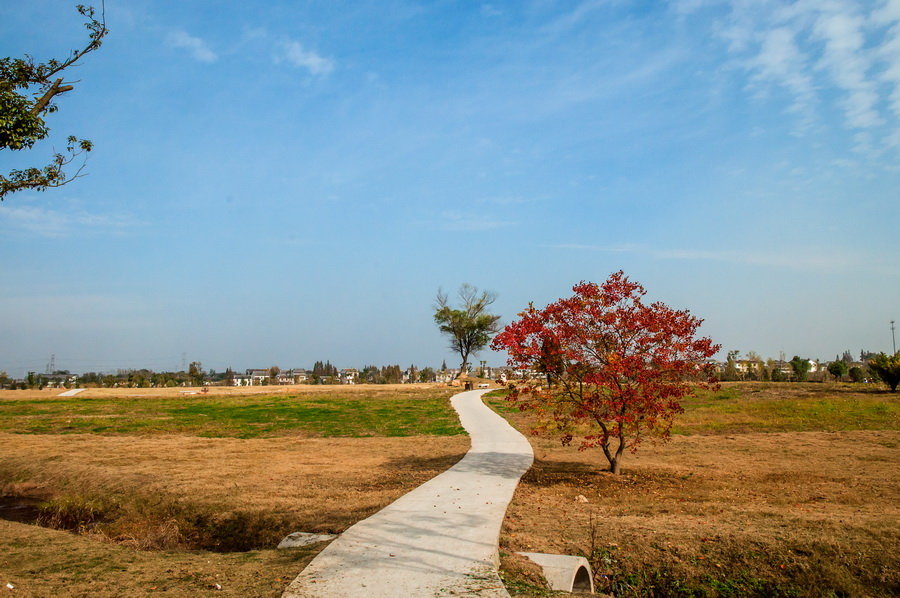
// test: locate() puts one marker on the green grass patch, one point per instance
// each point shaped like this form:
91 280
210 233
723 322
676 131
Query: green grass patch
425 412
773 407
787 407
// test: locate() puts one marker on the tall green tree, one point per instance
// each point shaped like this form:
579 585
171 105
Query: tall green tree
731 372
27 93
195 373
887 367
838 369
801 368
468 326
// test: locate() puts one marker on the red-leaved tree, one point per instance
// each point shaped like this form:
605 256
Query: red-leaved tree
616 368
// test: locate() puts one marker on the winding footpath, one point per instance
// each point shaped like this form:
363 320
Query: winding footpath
441 538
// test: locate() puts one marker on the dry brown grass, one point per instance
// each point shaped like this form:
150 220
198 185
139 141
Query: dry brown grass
320 484
299 389
786 513
45 563
292 484
141 502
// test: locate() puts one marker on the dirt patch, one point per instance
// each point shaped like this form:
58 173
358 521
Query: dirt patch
802 513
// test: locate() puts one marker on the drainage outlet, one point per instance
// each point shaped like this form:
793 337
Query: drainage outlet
563 572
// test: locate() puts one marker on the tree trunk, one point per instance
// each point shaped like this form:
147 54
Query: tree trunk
615 461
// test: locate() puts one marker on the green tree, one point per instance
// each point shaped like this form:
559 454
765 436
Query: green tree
887 367
27 93
426 375
800 367
838 369
391 374
468 326
195 373
370 374
857 374
731 372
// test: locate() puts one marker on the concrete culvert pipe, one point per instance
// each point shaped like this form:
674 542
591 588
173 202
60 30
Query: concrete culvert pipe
563 572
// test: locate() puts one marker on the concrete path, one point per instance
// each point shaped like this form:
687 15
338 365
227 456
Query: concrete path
71 393
441 538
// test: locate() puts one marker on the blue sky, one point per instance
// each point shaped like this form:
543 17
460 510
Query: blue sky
293 182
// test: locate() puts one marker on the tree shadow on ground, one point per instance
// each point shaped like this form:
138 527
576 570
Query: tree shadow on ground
544 473
415 463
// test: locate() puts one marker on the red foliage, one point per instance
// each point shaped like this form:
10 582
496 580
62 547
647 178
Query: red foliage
616 368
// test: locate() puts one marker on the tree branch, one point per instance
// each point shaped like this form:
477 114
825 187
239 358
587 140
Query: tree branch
55 89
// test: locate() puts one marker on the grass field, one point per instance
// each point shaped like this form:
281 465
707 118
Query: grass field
375 411
764 490
163 488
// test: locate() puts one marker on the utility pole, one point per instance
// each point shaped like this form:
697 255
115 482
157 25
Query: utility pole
893 339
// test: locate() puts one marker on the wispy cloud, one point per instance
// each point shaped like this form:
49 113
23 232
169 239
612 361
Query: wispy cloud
576 15
196 47
61 223
780 61
844 57
489 10
457 221
788 259
506 200
821 52
294 53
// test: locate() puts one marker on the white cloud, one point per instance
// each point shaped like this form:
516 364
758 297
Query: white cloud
489 10
197 48
823 53
849 64
889 52
456 221
294 53
790 259
60 223
779 60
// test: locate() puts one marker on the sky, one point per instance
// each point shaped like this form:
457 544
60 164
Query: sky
295 182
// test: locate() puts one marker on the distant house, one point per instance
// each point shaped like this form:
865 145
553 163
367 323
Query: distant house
299 375
349 376
502 373
446 376
240 379
746 366
258 377
57 380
